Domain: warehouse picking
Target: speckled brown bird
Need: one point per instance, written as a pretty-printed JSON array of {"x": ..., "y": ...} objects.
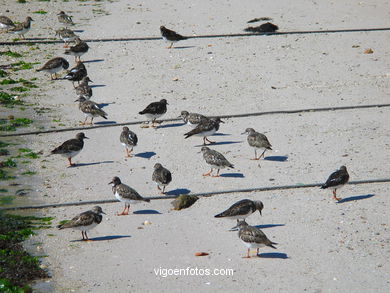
[
  {"x": 71, "y": 147},
  {"x": 161, "y": 176},
  {"x": 258, "y": 141},
  {"x": 216, "y": 160},
  {"x": 205, "y": 128},
  {"x": 54, "y": 65},
  {"x": 90, "y": 109}
]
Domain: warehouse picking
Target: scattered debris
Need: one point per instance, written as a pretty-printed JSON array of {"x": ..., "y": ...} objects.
[
  {"x": 201, "y": 254},
  {"x": 263, "y": 28},
  {"x": 184, "y": 201},
  {"x": 368, "y": 51}
]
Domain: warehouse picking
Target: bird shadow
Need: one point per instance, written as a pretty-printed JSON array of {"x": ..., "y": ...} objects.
[
  {"x": 78, "y": 31},
  {"x": 171, "y": 125},
  {"x": 221, "y": 134},
  {"x": 93, "y": 61},
  {"x": 280, "y": 255},
  {"x": 276, "y": 158},
  {"x": 104, "y": 238},
  {"x": 105, "y": 122},
  {"x": 102, "y": 105},
  {"x": 91, "y": 164},
  {"x": 145, "y": 155},
  {"x": 147, "y": 212},
  {"x": 269, "y": 226},
  {"x": 179, "y": 191},
  {"x": 233, "y": 175},
  {"x": 357, "y": 197},
  {"x": 97, "y": 85},
  {"x": 184, "y": 47}
]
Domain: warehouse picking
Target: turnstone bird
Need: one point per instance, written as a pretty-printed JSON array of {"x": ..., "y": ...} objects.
[
  {"x": 155, "y": 110},
  {"x": 253, "y": 237},
  {"x": 161, "y": 176},
  {"x": 125, "y": 194},
  {"x": 64, "y": 18},
  {"x": 263, "y": 28},
  {"x": 77, "y": 50},
  {"x": 66, "y": 35},
  {"x": 6, "y": 23},
  {"x": 84, "y": 90},
  {"x": 71, "y": 147},
  {"x": 205, "y": 128},
  {"x": 192, "y": 119},
  {"x": 22, "y": 28},
  {"x": 77, "y": 73},
  {"x": 171, "y": 36},
  {"x": 216, "y": 160},
  {"x": 129, "y": 140},
  {"x": 257, "y": 141},
  {"x": 337, "y": 180},
  {"x": 242, "y": 209},
  {"x": 85, "y": 221},
  {"x": 90, "y": 109},
  {"x": 54, "y": 65}
]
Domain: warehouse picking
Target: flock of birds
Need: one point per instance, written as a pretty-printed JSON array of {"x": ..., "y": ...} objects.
[{"x": 201, "y": 125}]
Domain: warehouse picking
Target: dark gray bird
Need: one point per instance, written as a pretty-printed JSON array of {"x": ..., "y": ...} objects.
[
  {"x": 216, "y": 160},
  {"x": 64, "y": 18},
  {"x": 258, "y": 141},
  {"x": 84, "y": 90},
  {"x": 78, "y": 50},
  {"x": 77, "y": 73},
  {"x": 71, "y": 147},
  {"x": 54, "y": 65},
  {"x": 253, "y": 237},
  {"x": 206, "y": 127},
  {"x": 263, "y": 28},
  {"x": 6, "y": 23},
  {"x": 161, "y": 176},
  {"x": 337, "y": 180},
  {"x": 171, "y": 36},
  {"x": 22, "y": 28},
  {"x": 90, "y": 109},
  {"x": 242, "y": 209},
  {"x": 129, "y": 140},
  {"x": 192, "y": 119},
  {"x": 125, "y": 194},
  {"x": 85, "y": 221},
  {"x": 155, "y": 110}
]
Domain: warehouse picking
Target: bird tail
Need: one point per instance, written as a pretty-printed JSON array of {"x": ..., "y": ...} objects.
[
  {"x": 250, "y": 29},
  {"x": 188, "y": 134},
  {"x": 67, "y": 52},
  {"x": 220, "y": 215},
  {"x": 324, "y": 186},
  {"x": 271, "y": 244},
  {"x": 147, "y": 199},
  {"x": 142, "y": 112},
  {"x": 231, "y": 166}
]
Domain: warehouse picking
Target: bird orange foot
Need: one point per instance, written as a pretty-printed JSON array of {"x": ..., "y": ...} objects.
[
  {"x": 123, "y": 213},
  {"x": 337, "y": 198}
]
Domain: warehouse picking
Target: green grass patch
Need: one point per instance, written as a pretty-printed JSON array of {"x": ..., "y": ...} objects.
[
  {"x": 29, "y": 173},
  {"x": 11, "y": 54},
  {"x": 6, "y": 199},
  {"x": 9, "y": 100},
  {"x": 19, "y": 89},
  {"x": 21, "y": 65},
  {"x": 12, "y": 125},
  {"x": 24, "y": 150},
  {"x": 40, "y": 11},
  {"x": 21, "y": 1},
  {"x": 4, "y": 175},
  {"x": 3, "y": 73},
  {"x": 4, "y": 152},
  {"x": 3, "y": 190},
  {"x": 9, "y": 163},
  {"x": 8, "y": 81}
]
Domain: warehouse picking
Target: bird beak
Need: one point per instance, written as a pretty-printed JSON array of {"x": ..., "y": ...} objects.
[
  {"x": 111, "y": 183},
  {"x": 77, "y": 100},
  {"x": 243, "y": 132},
  {"x": 103, "y": 213},
  {"x": 222, "y": 121},
  {"x": 260, "y": 213},
  {"x": 235, "y": 228},
  {"x": 86, "y": 137},
  {"x": 90, "y": 81}
]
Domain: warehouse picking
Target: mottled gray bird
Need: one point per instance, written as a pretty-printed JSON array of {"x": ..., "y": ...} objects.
[
  {"x": 242, "y": 209},
  {"x": 337, "y": 180},
  {"x": 258, "y": 141},
  {"x": 22, "y": 28},
  {"x": 216, "y": 160},
  {"x": 6, "y": 22},
  {"x": 126, "y": 194},
  {"x": 206, "y": 127},
  {"x": 84, "y": 90},
  {"x": 171, "y": 36},
  {"x": 54, "y": 65},
  {"x": 64, "y": 18},
  {"x": 78, "y": 50},
  {"x": 129, "y": 140},
  {"x": 192, "y": 119},
  {"x": 253, "y": 237},
  {"x": 71, "y": 147},
  {"x": 161, "y": 176},
  {"x": 90, "y": 109},
  {"x": 85, "y": 221}
]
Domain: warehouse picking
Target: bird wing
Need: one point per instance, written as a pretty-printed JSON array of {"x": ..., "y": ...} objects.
[
  {"x": 337, "y": 178},
  {"x": 205, "y": 125},
  {"x": 69, "y": 146},
  {"x": 242, "y": 207},
  {"x": 153, "y": 108},
  {"x": 53, "y": 63},
  {"x": 253, "y": 235},
  {"x": 83, "y": 219}
]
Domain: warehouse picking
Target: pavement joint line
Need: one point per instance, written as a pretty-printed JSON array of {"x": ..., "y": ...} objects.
[
  {"x": 201, "y": 194},
  {"x": 46, "y": 41},
  {"x": 324, "y": 109}
]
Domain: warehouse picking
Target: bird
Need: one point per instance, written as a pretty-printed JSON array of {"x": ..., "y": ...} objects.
[
  {"x": 253, "y": 237},
  {"x": 6, "y": 22},
  {"x": 90, "y": 109},
  {"x": 337, "y": 180},
  {"x": 263, "y": 28},
  {"x": 22, "y": 28},
  {"x": 192, "y": 119},
  {"x": 84, "y": 90},
  {"x": 161, "y": 176},
  {"x": 171, "y": 36},
  {"x": 77, "y": 73},
  {"x": 216, "y": 160},
  {"x": 71, "y": 147},
  {"x": 257, "y": 141},
  {"x": 125, "y": 194},
  {"x": 241, "y": 209},
  {"x": 77, "y": 50},
  {"x": 128, "y": 139},
  {"x": 64, "y": 18},
  {"x": 85, "y": 221},
  {"x": 66, "y": 35},
  {"x": 205, "y": 128},
  {"x": 54, "y": 65},
  {"x": 155, "y": 110}
]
